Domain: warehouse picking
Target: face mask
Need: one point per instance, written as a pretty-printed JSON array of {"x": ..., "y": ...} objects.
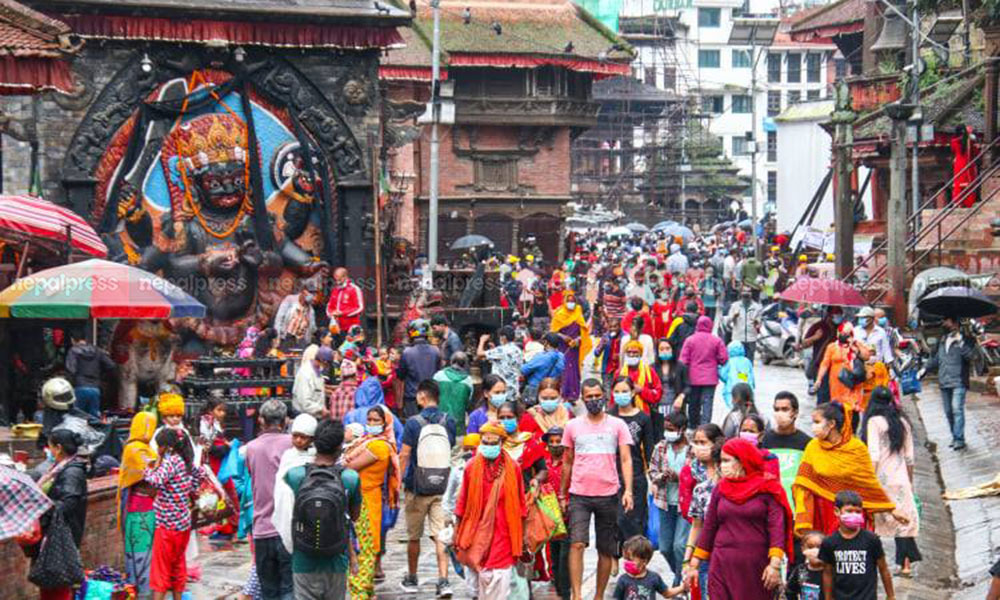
[
  {"x": 671, "y": 436},
  {"x": 374, "y": 429},
  {"x": 489, "y": 452},
  {"x": 843, "y": 338},
  {"x": 632, "y": 361},
  {"x": 498, "y": 399},
  {"x": 556, "y": 451},
  {"x": 838, "y": 319},
  {"x": 750, "y": 437},
  {"x": 852, "y": 520},
  {"x": 783, "y": 419},
  {"x": 468, "y": 454},
  {"x": 570, "y": 305},
  {"x": 863, "y": 321},
  {"x": 594, "y": 407},
  {"x": 883, "y": 321},
  {"x": 623, "y": 398},
  {"x": 811, "y": 554},
  {"x": 730, "y": 470},
  {"x": 549, "y": 406},
  {"x": 666, "y": 356},
  {"x": 48, "y": 455},
  {"x": 631, "y": 567},
  {"x": 509, "y": 425},
  {"x": 819, "y": 431}
]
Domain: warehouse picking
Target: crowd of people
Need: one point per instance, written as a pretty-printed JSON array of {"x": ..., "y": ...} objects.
[{"x": 588, "y": 420}]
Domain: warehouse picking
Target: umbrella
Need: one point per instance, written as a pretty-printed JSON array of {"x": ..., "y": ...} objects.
[
  {"x": 619, "y": 232},
  {"x": 664, "y": 225},
  {"x": 957, "y": 302},
  {"x": 721, "y": 226},
  {"x": 686, "y": 234},
  {"x": 36, "y": 219},
  {"x": 22, "y": 501},
  {"x": 97, "y": 289},
  {"x": 637, "y": 227},
  {"x": 829, "y": 292},
  {"x": 745, "y": 224},
  {"x": 471, "y": 241}
]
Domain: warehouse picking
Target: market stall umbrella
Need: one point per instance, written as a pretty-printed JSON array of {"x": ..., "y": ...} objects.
[
  {"x": 958, "y": 302},
  {"x": 664, "y": 225},
  {"x": 686, "y": 234},
  {"x": 637, "y": 227},
  {"x": 31, "y": 218},
  {"x": 21, "y": 503},
  {"x": 471, "y": 241},
  {"x": 828, "y": 292},
  {"x": 619, "y": 232},
  {"x": 96, "y": 289},
  {"x": 721, "y": 226}
]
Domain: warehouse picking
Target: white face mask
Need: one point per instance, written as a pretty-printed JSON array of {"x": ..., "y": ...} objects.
[
  {"x": 671, "y": 436},
  {"x": 571, "y": 305},
  {"x": 632, "y": 361}
]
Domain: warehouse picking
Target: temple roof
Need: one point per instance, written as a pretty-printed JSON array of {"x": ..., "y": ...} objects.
[
  {"x": 842, "y": 16},
  {"x": 284, "y": 10},
  {"x": 28, "y": 33}
]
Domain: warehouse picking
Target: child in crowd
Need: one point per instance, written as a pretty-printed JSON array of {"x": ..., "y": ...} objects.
[
  {"x": 670, "y": 455},
  {"x": 742, "y": 406},
  {"x": 212, "y": 435},
  {"x": 738, "y": 369},
  {"x": 851, "y": 555},
  {"x": 175, "y": 477},
  {"x": 809, "y": 573},
  {"x": 638, "y": 582}
]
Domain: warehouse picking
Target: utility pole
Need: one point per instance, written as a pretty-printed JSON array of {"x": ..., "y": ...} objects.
[
  {"x": 753, "y": 149},
  {"x": 432, "y": 209},
  {"x": 843, "y": 120},
  {"x": 916, "y": 69},
  {"x": 685, "y": 167},
  {"x": 896, "y": 214}
]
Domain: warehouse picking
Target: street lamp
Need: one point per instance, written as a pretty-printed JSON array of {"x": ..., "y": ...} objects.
[{"x": 754, "y": 32}]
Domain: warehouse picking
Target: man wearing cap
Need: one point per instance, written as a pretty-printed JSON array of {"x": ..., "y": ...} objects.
[
  {"x": 308, "y": 393},
  {"x": 263, "y": 456},
  {"x": 873, "y": 335},
  {"x": 346, "y": 301},
  {"x": 419, "y": 363},
  {"x": 342, "y": 396},
  {"x": 301, "y": 453}
]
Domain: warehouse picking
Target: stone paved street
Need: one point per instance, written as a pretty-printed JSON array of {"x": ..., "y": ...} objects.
[{"x": 977, "y": 521}]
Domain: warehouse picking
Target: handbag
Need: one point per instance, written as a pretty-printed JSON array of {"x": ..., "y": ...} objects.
[
  {"x": 548, "y": 502},
  {"x": 909, "y": 383},
  {"x": 57, "y": 563},
  {"x": 538, "y": 529},
  {"x": 855, "y": 375}
]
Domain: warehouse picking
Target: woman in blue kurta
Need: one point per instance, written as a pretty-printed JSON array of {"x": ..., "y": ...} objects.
[{"x": 569, "y": 324}]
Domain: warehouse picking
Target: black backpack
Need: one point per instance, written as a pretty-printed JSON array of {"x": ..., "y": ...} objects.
[{"x": 319, "y": 517}]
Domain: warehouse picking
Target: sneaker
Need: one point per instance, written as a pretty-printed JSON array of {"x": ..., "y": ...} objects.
[
  {"x": 410, "y": 584},
  {"x": 959, "y": 446},
  {"x": 443, "y": 589}
]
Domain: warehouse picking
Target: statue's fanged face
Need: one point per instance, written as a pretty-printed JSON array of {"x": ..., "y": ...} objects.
[{"x": 222, "y": 185}]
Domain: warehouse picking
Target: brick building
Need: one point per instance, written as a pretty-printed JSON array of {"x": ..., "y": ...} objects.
[{"x": 522, "y": 74}]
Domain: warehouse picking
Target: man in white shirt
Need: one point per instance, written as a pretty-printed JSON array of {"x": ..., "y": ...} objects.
[{"x": 874, "y": 336}]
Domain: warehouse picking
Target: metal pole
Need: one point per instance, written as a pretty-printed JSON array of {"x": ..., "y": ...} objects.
[
  {"x": 753, "y": 153},
  {"x": 683, "y": 173},
  {"x": 896, "y": 217},
  {"x": 915, "y": 100},
  {"x": 432, "y": 211}
]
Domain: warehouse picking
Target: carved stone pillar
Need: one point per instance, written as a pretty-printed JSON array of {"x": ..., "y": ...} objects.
[{"x": 992, "y": 43}]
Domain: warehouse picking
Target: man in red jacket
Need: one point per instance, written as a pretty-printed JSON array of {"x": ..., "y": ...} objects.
[{"x": 346, "y": 301}]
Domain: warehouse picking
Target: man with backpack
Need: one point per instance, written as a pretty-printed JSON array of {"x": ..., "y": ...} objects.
[
  {"x": 426, "y": 457},
  {"x": 327, "y": 499}
]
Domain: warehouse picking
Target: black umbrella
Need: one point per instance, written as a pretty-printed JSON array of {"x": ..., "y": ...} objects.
[
  {"x": 471, "y": 241},
  {"x": 957, "y": 302}
]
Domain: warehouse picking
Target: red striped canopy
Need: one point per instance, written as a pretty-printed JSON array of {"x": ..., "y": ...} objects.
[{"x": 34, "y": 218}]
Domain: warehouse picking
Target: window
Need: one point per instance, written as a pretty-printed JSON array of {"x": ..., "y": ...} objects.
[
  {"x": 740, "y": 147},
  {"x": 794, "y": 97},
  {"x": 495, "y": 175},
  {"x": 840, "y": 68},
  {"x": 650, "y": 76},
  {"x": 670, "y": 78},
  {"x": 708, "y": 59},
  {"x": 773, "y": 103},
  {"x": 712, "y": 104},
  {"x": 772, "y": 186},
  {"x": 794, "y": 67},
  {"x": 774, "y": 68},
  {"x": 742, "y": 104},
  {"x": 812, "y": 67},
  {"x": 709, "y": 17},
  {"x": 772, "y": 146},
  {"x": 741, "y": 59},
  {"x": 812, "y": 95}
]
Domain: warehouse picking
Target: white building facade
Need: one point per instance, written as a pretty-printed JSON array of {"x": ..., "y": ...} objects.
[{"x": 703, "y": 62}]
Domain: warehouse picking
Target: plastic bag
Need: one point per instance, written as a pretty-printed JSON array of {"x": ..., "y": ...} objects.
[
  {"x": 230, "y": 464},
  {"x": 99, "y": 590},
  {"x": 653, "y": 522},
  {"x": 209, "y": 504},
  {"x": 548, "y": 502}
]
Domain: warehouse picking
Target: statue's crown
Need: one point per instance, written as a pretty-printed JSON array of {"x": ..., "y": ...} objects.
[{"x": 223, "y": 140}]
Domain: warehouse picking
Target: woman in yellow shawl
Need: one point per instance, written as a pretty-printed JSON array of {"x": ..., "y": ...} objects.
[
  {"x": 136, "y": 518},
  {"x": 376, "y": 460},
  {"x": 568, "y": 323},
  {"x": 833, "y": 461}
]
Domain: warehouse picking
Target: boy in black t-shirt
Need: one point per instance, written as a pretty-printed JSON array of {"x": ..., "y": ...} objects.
[
  {"x": 852, "y": 554},
  {"x": 808, "y": 574},
  {"x": 637, "y": 582}
]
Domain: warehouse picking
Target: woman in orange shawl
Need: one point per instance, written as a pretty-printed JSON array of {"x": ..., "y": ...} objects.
[
  {"x": 376, "y": 460},
  {"x": 748, "y": 528},
  {"x": 569, "y": 324},
  {"x": 835, "y": 460},
  {"x": 490, "y": 511},
  {"x": 136, "y": 519},
  {"x": 839, "y": 355}
]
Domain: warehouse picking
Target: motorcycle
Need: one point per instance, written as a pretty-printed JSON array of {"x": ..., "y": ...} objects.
[
  {"x": 987, "y": 351},
  {"x": 777, "y": 334}
]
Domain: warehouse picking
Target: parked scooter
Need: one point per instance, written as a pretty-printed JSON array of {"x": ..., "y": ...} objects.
[{"x": 777, "y": 334}]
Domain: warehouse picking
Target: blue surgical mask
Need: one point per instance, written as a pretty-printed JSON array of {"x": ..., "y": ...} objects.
[
  {"x": 374, "y": 429},
  {"x": 497, "y": 400},
  {"x": 509, "y": 424},
  {"x": 838, "y": 319},
  {"x": 623, "y": 398},
  {"x": 863, "y": 322},
  {"x": 666, "y": 356},
  {"x": 549, "y": 406},
  {"x": 883, "y": 321},
  {"x": 489, "y": 452}
]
